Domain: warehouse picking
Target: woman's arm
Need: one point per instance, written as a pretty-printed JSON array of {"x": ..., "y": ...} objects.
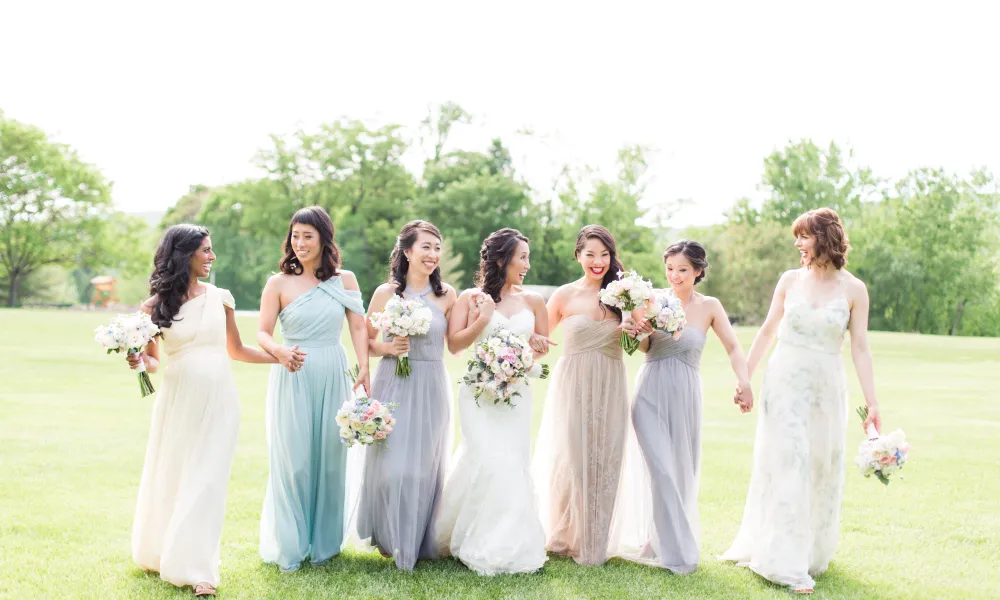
[
  {"x": 237, "y": 349},
  {"x": 270, "y": 306},
  {"x": 861, "y": 352},
  {"x": 554, "y": 307},
  {"x": 398, "y": 345},
  {"x": 359, "y": 335},
  {"x": 539, "y": 340},
  {"x": 765, "y": 336},
  {"x": 727, "y": 335},
  {"x": 468, "y": 321}
]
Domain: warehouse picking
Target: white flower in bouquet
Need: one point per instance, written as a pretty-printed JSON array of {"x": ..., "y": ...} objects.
[
  {"x": 631, "y": 294},
  {"x": 130, "y": 333},
  {"x": 403, "y": 317}
]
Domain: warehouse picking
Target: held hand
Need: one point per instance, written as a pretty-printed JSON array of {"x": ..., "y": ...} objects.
[
  {"x": 364, "y": 380},
  {"x": 291, "y": 358},
  {"x": 643, "y": 327},
  {"x": 133, "y": 360},
  {"x": 873, "y": 418},
  {"x": 400, "y": 346},
  {"x": 744, "y": 397},
  {"x": 486, "y": 305},
  {"x": 540, "y": 344}
]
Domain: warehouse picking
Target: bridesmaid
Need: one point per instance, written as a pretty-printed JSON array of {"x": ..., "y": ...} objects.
[
  {"x": 792, "y": 516},
  {"x": 403, "y": 478},
  {"x": 196, "y": 415},
  {"x": 656, "y": 521},
  {"x": 304, "y": 506},
  {"x": 582, "y": 437}
]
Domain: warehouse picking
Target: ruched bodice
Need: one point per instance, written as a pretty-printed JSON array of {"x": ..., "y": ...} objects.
[
  {"x": 687, "y": 348},
  {"x": 584, "y": 334}
]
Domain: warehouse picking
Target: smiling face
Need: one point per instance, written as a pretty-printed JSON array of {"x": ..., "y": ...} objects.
[
  {"x": 520, "y": 264},
  {"x": 425, "y": 254},
  {"x": 202, "y": 259},
  {"x": 805, "y": 243},
  {"x": 681, "y": 274},
  {"x": 595, "y": 258},
  {"x": 306, "y": 243}
]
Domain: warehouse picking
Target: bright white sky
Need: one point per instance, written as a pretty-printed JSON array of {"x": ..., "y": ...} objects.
[{"x": 164, "y": 95}]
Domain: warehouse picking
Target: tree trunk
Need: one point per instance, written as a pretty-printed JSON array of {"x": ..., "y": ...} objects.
[
  {"x": 959, "y": 309},
  {"x": 12, "y": 297}
]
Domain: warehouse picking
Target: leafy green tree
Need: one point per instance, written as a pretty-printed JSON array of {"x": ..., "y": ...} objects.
[{"x": 55, "y": 209}]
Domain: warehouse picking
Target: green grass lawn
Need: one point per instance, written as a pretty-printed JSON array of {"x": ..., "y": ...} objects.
[{"x": 73, "y": 431}]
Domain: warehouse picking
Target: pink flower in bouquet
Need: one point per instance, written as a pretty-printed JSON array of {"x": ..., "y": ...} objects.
[{"x": 380, "y": 435}]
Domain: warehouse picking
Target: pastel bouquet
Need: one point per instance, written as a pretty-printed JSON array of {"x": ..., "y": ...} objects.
[
  {"x": 499, "y": 363},
  {"x": 130, "y": 333},
  {"x": 881, "y": 455},
  {"x": 630, "y": 293},
  {"x": 403, "y": 317},
  {"x": 667, "y": 314},
  {"x": 364, "y": 420}
]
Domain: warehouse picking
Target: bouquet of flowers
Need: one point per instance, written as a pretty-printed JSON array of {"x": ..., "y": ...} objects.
[
  {"x": 499, "y": 362},
  {"x": 130, "y": 333},
  {"x": 403, "y": 317},
  {"x": 364, "y": 420},
  {"x": 881, "y": 455},
  {"x": 630, "y": 293},
  {"x": 667, "y": 314}
]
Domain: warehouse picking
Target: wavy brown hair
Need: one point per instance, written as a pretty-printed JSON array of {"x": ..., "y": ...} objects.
[
  {"x": 318, "y": 218},
  {"x": 494, "y": 257},
  {"x": 399, "y": 265},
  {"x": 168, "y": 283},
  {"x": 832, "y": 244},
  {"x": 694, "y": 252},
  {"x": 601, "y": 234}
]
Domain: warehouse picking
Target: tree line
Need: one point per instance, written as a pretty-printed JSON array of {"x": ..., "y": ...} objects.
[{"x": 927, "y": 245}]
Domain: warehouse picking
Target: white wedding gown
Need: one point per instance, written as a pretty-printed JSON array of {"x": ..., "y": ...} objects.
[{"x": 488, "y": 517}]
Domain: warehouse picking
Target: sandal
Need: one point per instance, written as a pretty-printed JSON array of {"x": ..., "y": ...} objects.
[
  {"x": 203, "y": 589},
  {"x": 806, "y": 591}
]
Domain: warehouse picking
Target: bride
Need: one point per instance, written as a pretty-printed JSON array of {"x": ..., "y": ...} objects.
[{"x": 488, "y": 517}]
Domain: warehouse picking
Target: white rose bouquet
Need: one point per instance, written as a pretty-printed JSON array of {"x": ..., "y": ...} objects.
[
  {"x": 130, "y": 333},
  {"x": 403, "y": 317}
]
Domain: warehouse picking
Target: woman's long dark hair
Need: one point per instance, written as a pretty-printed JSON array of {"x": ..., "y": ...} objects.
[
  {"x": 494, "y": 257},
  {"x": 601, "y": 234},
  {"x": 318, "y": 218},
  {"x": 399, "y": 265},
  {"x": 168, "y": 283}
]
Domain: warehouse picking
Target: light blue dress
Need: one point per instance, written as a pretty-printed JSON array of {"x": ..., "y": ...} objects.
[{"x": 304, "y": 507}]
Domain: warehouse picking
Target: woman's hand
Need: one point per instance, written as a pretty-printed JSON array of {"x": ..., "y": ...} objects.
[
  {"x": 744, "y": 397},
  {"x": 399, "y": 346},
  {"x": 540, "y": 344},
  {"x": 364, "y": 380},
  {"x": 482, "y": 306},
  {"x": 291, "y": 358},
  {"x": 135, "y": 359},
  {"x": 873, "y": 418}
]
